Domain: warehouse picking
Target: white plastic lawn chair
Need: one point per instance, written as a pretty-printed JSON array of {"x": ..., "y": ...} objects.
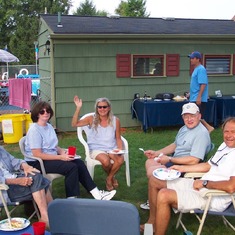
[{"x": 91, "y": 163}]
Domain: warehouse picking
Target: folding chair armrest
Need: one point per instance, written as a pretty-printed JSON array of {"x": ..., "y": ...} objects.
[
  {"x": 214, "y": 192},
  {"x": 3, "y": 187},
  {"x": 193, "y": 174},
  {"x": 40, "y": 162}
]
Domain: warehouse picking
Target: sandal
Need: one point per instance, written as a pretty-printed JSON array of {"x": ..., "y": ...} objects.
[
  {"x": 115, "y": 182},
  {"x": 109, "y": 186}
]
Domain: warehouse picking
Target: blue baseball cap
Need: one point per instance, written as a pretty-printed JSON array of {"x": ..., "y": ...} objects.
[{"x": 195, "y": 54}]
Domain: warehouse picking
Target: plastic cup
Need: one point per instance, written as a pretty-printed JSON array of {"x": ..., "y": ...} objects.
[
  {"x": 72, "y": 150},
  {"x": 39, "y": 228}
]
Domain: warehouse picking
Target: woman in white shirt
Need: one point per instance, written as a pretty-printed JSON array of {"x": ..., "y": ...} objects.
[{"x": 103, "y": 136}]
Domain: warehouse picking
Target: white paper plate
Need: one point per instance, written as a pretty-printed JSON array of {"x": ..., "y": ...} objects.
[
  {"x": 4, "y": 224},
  {"x": 119, "y": 152},
  {"x": 158, "y": 100},
  {"x": 167, "y": 99},
  {"x": 166, "y": 174}
]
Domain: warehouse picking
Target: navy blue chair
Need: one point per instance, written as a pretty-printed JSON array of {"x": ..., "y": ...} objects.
[{"x": 94, "y": 217}]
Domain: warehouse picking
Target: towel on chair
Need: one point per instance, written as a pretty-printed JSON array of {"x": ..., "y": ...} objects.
[{"x": 20, "y": 92}]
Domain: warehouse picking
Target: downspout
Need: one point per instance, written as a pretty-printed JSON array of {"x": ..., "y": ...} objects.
[{"x": 52, "y": 63}]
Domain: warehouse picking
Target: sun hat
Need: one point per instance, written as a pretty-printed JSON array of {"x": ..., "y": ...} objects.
[{"x": 190, "y": 108}]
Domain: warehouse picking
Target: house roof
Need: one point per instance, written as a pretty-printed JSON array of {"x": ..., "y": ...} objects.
[{"x": 73, "y": 24}]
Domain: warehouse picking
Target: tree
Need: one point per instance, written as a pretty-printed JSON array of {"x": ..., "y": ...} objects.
[
  {"x": 19, "y": 24},
  {"x": 132, "y": 8},
  {"x": 87, "y": 8}
]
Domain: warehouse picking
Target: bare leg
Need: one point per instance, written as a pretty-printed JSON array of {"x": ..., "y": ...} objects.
[
  {"x": 166, "y": 199},
  {"x": 153, "y": 188},
  {"x": 105, "y": 161},
  {"x": 41, "y": 200},
  {"x": 117, "y": 163},
  {"x": 207, "y": 125},
  {"x": 48, "y": 197},
  {"x": 110, "y": 168},
  {"x": 151, "y": 165}
]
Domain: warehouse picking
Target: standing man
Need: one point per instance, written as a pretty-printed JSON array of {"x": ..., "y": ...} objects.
[{"x": 199, "y": 86}]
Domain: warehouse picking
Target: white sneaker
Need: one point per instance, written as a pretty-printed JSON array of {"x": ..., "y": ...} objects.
[
  {"x": 145, "y": 205},
  {"x": 107, "y": 195}
]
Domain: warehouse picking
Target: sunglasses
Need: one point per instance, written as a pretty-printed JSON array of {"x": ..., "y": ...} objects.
[
  {"x": 44, "y": 110},
  {"x": 102, "y": 107},
  {"x": 217, "y": 162}
]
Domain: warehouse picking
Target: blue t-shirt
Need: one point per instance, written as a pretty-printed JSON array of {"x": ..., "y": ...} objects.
[
  {"x": 199, "y": 76},
  {"x": 41, "y": 137},
  {"x": 192, "y": 142}
]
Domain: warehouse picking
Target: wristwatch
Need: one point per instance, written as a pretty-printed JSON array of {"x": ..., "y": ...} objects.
[{"x": 204, "y": 183}]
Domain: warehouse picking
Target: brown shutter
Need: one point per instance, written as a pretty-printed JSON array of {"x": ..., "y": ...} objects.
[
  {"x": 172, "y": 64},
  {"x": 123, "y": 65},
  {"x": 233, "y": 70}
]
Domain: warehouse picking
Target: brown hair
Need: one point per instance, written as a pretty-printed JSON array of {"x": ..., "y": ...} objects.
[
  {"x": 229, "y": 119},
  {"x": 38, "y": 107}
]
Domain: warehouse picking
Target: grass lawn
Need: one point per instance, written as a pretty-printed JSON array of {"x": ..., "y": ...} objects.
[{"x": 137, "y": 193}]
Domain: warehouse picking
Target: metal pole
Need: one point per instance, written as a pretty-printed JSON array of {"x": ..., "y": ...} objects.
[{"x": 36, "y": 55}]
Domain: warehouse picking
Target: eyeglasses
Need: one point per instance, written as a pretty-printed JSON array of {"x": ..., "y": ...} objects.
[
  {"x": 102, "y": 107},
  {"x": 44, "y": 110},
  {"x": 190, "y": 116}
]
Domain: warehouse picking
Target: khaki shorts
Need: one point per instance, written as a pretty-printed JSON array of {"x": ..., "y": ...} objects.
[
  {"x": 189, "y": 199},
  {"x": 95, "y": 153}
]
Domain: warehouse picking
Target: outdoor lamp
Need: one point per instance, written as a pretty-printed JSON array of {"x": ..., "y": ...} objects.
[{"x": 47, "y": 47}]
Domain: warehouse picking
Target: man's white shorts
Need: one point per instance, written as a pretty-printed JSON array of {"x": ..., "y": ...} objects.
[{"x": 189, "y": 199}]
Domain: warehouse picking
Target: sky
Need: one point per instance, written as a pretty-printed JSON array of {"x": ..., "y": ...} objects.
[{"x": 197, "y": 9}]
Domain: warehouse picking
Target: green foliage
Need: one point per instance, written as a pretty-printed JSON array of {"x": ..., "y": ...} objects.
[
  {"x": 87, "y": 8},
  {"x": 132, "y": 8},
  {"x": 137, "y": 193},
  {"x": 19, "y": 24}
]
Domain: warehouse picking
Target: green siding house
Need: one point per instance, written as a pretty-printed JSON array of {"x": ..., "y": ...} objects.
[{"x": 116, "y": 57}]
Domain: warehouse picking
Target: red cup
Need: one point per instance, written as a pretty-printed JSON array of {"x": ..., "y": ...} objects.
[
  {"x": 72, "y": 150},
  {"x": 39, "y": 228}
]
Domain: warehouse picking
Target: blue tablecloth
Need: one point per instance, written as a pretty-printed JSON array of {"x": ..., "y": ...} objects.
[
  {"x": 225, "y": 107},
  {"x": 166, "y": 113},
  {"x": 29, "y": 229}
]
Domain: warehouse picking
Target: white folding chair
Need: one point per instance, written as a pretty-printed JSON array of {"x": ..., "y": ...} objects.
[
  {"x": 49, "y": 176},
  {"x": 13, "y": 205},
  {"x": 91, "y": 163},
  {"x": 209, "y": 194}
]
